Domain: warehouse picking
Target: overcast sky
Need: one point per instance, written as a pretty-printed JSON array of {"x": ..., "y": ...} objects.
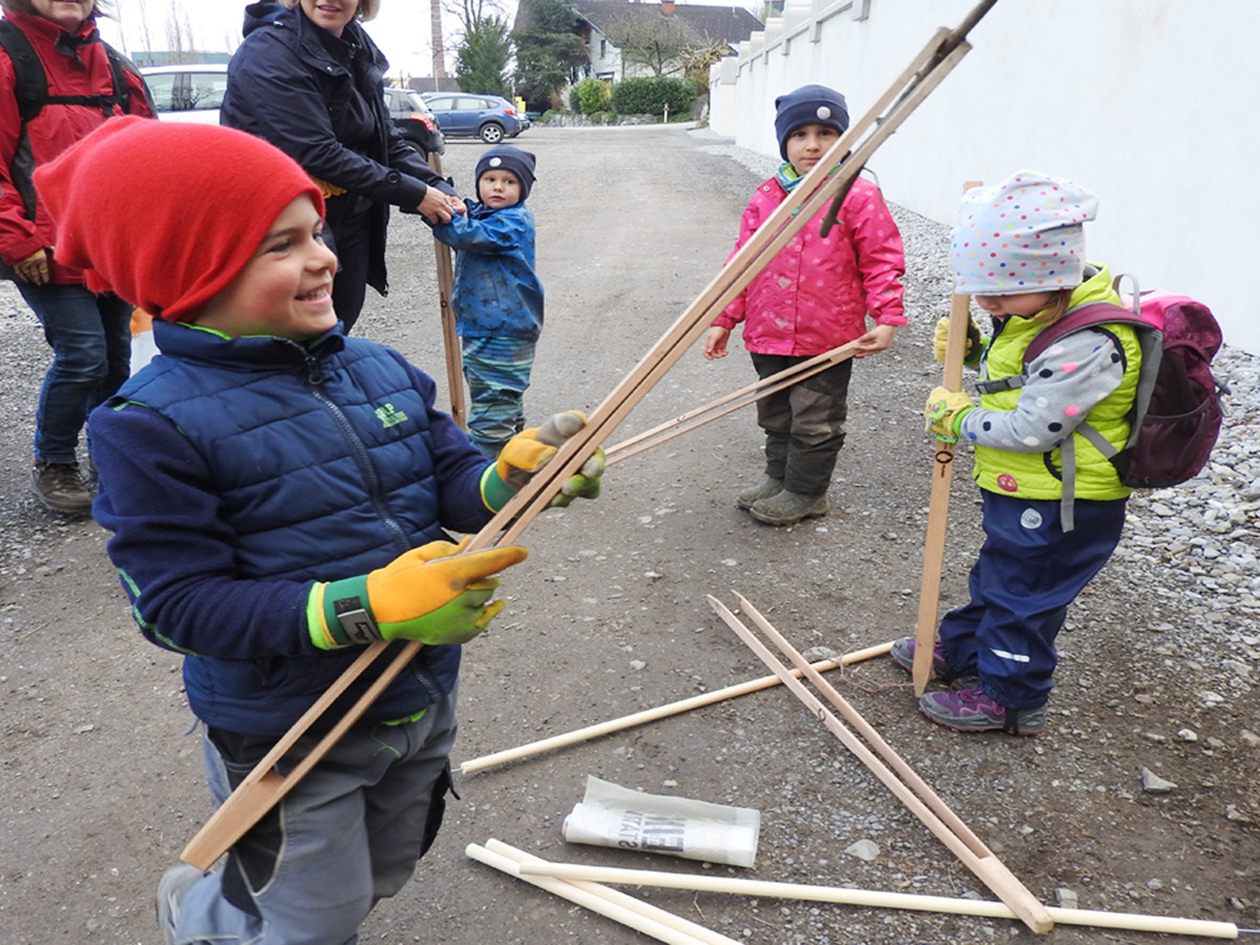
[{"x": 401, "y": 29}]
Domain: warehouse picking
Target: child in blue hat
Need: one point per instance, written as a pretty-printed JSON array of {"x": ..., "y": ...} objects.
[{"x": 497, "y": 298}]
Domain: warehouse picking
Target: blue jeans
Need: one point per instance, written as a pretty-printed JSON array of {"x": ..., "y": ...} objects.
[
  {"x": 91, "y": 340},
  {"x": 1028, "y": 572}
]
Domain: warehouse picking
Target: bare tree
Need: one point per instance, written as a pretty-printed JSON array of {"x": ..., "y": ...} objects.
[{"x": 179, "y": 34}]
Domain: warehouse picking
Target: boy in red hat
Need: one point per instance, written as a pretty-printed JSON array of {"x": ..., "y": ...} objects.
[{"x": 279, "y": 496}]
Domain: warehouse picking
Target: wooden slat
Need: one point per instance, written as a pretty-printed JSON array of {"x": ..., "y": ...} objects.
[
  {"x": 982, "y": 863},
  {"x": 450, "y": 338},
  {"x": 938, "y": 506}
]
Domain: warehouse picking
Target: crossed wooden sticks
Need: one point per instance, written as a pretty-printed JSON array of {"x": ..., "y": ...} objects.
[
  {"x": 888, "y": 766},
  {"x": 830, "y": 178}
]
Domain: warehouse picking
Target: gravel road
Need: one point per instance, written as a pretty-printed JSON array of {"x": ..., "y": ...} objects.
[{"x": 99, "y": 774}]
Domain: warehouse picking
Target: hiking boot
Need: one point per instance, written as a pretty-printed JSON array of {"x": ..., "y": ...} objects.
[
  {"x": 763, "y": 490},
  {"x": 974, "y": 710},
  {"x": 902, "y": 654},
  {"x": 175, "y": 882},
  {"x": 60, "y": 488},
  {"x": 788, "y": 508}
]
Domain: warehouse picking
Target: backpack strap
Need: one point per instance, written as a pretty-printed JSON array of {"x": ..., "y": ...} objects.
[{"x": 31, "y": 81}]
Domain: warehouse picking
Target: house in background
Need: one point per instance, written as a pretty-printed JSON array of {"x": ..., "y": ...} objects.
[{"x": 603, "y": 24}]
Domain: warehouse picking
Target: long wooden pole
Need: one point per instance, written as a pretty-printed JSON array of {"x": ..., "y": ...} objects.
[
  {"x": 264, "y": 787},
  {"x": 509, "y": 755},
  {"x": 617, "y": 897},
  {"x": 587, "y": 900},
  {"x": 848, "y": 896},
  {"x": 450, "y": 338},
  {"x": 938, "y": 508},
  {"x": 987, "y": 867},
  {"x": 728, "y": 403}
]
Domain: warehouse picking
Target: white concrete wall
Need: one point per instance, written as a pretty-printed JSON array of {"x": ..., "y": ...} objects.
[{"x": 1153, "y": 104}]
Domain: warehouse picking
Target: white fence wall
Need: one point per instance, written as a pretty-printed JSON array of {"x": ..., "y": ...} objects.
[{"x": 1153, "y": 104}]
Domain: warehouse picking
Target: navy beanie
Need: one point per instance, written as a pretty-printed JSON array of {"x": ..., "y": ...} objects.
[
  {"x": 809, "y": 105},
  {"x": 508, "y": 158}
]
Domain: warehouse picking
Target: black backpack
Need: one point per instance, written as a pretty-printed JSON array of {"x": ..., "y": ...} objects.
[{"x": 31, "y": 91}]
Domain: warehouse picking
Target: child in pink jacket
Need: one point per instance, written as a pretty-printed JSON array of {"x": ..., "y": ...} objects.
[{"x": 815, "y": 295}]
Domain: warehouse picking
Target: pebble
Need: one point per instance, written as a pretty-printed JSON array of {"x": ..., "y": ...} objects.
[
  {"x": 866, "y": 850},
  {"x": 1154, "y": 784},
  {"x": 1067, "y": 898}
]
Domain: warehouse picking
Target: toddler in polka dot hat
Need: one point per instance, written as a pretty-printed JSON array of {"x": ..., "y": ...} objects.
[
  {"x": 1042, "y": 433},
  {"x": 1023, "y": 235}
]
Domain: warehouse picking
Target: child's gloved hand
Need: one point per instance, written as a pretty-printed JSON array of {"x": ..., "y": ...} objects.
[
  {"x": 972, "y": 349},
  {"x": 944, "y": 412},
  {"x": 425, "y": 594},
  {"x": 529, "y": 451}
]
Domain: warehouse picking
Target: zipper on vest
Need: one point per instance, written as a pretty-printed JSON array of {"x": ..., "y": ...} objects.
[{"x": 314, "y": 376}]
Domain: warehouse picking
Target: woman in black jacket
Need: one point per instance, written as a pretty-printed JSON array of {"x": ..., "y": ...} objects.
[{"x": 309, "y": 80}]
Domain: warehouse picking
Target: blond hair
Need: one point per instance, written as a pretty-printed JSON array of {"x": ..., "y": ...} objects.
[{"x": 1058, "y": 307}]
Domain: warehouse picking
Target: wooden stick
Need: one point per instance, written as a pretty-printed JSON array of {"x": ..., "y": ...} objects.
[
  {"x": 938, "y": 509},
  {"x": 866, "y": 730},
  {"x": 875, "y": 899},
  {"x": 618, "y": 913},
  {"x": 728, "y": 403},
  {"x": 686, "y": 926},
  {"x": 660, "y": 712},
  {"x": 985, "y": 865},
  {"x": 247, "y": 805},
  {"x": 450, "y": 339}
]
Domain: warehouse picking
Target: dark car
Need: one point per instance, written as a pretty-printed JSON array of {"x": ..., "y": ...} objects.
[
  {"x": 415, "y": 121},
  {"x": 468, "y": 115}
]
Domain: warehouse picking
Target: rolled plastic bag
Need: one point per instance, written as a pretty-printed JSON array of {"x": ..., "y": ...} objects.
[{"x": 613, "y": 816}]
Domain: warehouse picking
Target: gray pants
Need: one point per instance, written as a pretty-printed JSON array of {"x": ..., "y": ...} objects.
[
  {"x": 346, "y": 836},
  {"x": 804, "y": 424}
]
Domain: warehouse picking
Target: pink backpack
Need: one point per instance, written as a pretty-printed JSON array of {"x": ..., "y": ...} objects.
[{"x": 1176, "y": 415}]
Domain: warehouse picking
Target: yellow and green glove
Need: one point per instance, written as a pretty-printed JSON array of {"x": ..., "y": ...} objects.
[
  {"x": 529, "y": 451},
  {"x": 431, "y": 594},
  {"x": 944, "y": 412},
  {"x": 971, "y": 351}
]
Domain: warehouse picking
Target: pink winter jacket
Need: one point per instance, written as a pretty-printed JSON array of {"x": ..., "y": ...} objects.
[{"x": 815, "y": 294}]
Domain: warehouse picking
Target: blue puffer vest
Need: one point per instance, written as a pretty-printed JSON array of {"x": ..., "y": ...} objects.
[{"x": 324, "y": 462}]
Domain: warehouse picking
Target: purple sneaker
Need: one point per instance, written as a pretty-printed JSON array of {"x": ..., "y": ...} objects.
[
  {"x": 902, "y": 654},
  {"x": 974, "y": 710}
]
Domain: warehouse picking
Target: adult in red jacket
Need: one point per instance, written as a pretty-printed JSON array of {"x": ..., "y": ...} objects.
[{"x": 90, "y": 334}]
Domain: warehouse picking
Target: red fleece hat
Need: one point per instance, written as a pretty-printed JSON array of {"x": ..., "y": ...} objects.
[{"x": 166, "y": 215}]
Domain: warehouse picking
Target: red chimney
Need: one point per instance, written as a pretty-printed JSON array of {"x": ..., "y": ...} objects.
[{"x": 668, "y": 7}]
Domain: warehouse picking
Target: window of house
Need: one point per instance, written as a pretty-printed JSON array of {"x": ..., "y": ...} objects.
[{"x": 603, "y": 49}]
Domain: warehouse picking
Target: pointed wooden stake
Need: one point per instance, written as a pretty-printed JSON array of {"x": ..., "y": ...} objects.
[
  {"x": 450, "y": 339},
  {"x": 938, "y": 509}
]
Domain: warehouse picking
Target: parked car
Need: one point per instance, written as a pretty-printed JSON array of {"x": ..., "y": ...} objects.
[
  {"x": 189, "y": 91},
  {"x": 488, "y": 117},
  {"x": 415, "y": 121}
]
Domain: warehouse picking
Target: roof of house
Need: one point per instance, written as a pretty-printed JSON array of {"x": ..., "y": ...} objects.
[{"x": 731, "y": 25}]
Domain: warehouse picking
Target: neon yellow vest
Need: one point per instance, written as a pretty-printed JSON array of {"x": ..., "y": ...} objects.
[{"x": 1039, "y": 475}]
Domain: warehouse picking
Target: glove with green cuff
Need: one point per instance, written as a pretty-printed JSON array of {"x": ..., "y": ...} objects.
[
  {"x": 529, "y": 451},
  {"x": 944, "y": 412},
  {"x": 431, "y": 594},
  {"x": 971, "y": 351}
]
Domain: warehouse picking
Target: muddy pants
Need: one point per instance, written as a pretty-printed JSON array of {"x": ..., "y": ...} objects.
[
  {"x": 347, "y": 835},
  {"x": 804, "y": 424}
]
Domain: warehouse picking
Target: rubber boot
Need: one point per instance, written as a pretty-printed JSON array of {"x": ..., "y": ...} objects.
[
  {"x": 788, "y": 508},
  {"x": 763, "y": 490}
]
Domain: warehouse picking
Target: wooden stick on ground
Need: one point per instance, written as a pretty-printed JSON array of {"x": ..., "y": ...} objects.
[
  {"x": 974, "y": 855},
  {"x": 583, "y": 897},
  {"x": 659, "y": 712},
  {"x": 938, "y": 509},
  {"x": 264, "y": 787},
  {"x": 615, "y": 896},
  {"x": 728, "y": 403},
  {"x": 450, "y": 338},
  {"x": 844, "y": 895}
]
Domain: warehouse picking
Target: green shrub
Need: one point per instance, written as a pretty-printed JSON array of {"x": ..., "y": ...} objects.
[
  {"x": 591, "y": 96},
  {"x": 650, "y": 95}
]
